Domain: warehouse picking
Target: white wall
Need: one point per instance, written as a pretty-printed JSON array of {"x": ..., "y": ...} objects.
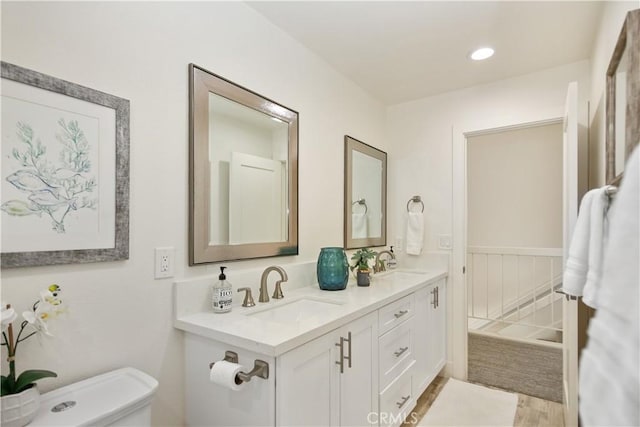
[
  {"x": 613, "y": 15},
  {"x": 421, "y": 161},
  {"x": 422, "y": 131},
  {"x": 514, "y": 188},
  {"x": 140, "y": 51}
]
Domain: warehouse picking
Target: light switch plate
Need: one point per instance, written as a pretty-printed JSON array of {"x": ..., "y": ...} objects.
[{"x": 444, "y": 241}]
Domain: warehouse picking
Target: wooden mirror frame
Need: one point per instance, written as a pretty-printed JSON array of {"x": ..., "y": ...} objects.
[
  {"x": 351, "y": 145},
  {"x": 201, "y": 251},
  {"x": 627, "y": 41}
]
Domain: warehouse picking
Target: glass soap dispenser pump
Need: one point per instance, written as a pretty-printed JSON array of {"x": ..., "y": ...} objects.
[{"x": 221, "y": 294}]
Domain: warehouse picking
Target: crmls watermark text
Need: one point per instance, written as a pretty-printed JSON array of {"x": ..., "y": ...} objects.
[{"x": 387, "y": 418}]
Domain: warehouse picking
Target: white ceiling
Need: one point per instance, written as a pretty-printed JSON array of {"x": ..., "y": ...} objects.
[{"x": 399, "y": 51}]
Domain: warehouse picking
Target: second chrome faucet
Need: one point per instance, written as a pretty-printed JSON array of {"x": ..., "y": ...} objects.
[{"x": 277, "y": 293}]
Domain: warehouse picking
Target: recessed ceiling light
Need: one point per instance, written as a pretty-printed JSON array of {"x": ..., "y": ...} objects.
[{"x": 482, "y": 53}]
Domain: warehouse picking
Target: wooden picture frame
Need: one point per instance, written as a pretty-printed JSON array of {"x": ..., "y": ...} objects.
[
  {"x": 623, "y": 98},
  {"x": 65, "y": 172}
]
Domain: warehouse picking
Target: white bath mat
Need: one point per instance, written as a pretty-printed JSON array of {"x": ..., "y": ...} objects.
[{"x": 465, "y": 404}]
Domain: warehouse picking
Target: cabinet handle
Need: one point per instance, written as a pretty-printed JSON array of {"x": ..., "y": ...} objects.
[
  {"x": 400, "y": 351},
  {"x": 437, "y": 296},
  {"x": 341, "y": 361},
  {"x": 405, "y": 399},
  {"x": 433, "y": 300},
  {"x": 349, "y": 341},
  {"x": 401, "y": 313},
  {"x": 342, "y": 356}
]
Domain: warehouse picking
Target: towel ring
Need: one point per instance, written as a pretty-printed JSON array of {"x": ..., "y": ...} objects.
[
  {"x": 361, "y": 202},
  {"x": 415, "y": 199}
]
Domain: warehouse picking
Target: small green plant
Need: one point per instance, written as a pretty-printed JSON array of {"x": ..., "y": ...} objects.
[{"x": 361, "y": 259}]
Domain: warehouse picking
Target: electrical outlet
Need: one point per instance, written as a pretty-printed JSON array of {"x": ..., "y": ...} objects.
[
  {"x": 399, "y": 246},
  {"x": 165, "y": 258}
]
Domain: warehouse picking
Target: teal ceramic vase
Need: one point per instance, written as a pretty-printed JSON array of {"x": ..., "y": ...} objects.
[{"x": 332, "y": 269}]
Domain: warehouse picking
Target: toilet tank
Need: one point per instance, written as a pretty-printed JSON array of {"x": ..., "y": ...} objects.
[{"x": 118, "y": 398}]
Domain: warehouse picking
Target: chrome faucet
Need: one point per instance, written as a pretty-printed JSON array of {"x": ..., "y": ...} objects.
[
  {"x": 378, "y": 266},
  {"x": 277, "y": 293}
]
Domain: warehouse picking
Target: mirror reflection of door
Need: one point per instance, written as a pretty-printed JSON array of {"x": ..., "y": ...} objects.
[
  {"x": 256, "y": 200},
  {"x": 248, "y": 165}
]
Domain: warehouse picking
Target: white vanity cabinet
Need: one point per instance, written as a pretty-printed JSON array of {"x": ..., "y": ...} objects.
[
  {"x": 429, "y": 334},
  {"x": 396, "y": 361},
  {"x": 363, "y": 362},
  {"x": 332, "y": 380}
]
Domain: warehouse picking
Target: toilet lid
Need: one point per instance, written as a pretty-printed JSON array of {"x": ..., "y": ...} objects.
[{"x": 99, "y": 400}]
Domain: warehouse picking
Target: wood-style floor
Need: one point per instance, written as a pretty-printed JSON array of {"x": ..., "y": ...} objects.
[{"x": 531, "y": 411}]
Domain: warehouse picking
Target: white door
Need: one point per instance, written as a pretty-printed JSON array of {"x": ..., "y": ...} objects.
[
  {"x": 256, "y": 200},
  {"x": 570, "y": 213}
]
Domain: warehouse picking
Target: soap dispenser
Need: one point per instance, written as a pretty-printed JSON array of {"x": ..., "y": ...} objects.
[
  {"x": 221, "y": 294},
  {"x": 392, "y": 263}
]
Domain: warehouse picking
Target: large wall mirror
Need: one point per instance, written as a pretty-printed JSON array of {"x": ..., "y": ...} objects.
[
  {"x": 243, "y": 171},
  {"x": 623, "y": 98},
  {"x": 365, "y": 195}
]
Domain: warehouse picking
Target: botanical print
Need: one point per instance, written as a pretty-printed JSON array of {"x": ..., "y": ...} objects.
[
  {"x": 52, "y": 189},
  {"x": 58, "y": 171}
]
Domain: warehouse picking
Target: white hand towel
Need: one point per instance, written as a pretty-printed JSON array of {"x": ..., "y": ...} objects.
[
  {"x": 575, "y": 272},
  {"x": 359, "y": 226},
  {"x": 599, "y": 206},
  {"x": 609, "y": 370},
  {"x": 415, "y": 233}
]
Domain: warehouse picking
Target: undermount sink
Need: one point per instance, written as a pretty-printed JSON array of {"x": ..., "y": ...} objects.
[{"x": 296, "y": 311}]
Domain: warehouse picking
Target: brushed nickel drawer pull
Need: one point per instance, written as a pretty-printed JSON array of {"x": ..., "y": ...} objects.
[
  {"x": 349, "y": 341},
  {"x": 401, "y": 313},
  {"x": 405, "y": 399},
  {"x": 400, "y": 351},
  {"x": 341, "y": 361}
]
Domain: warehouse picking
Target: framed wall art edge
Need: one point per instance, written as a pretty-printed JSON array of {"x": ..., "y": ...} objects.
[{"x": 40, "y": 203}]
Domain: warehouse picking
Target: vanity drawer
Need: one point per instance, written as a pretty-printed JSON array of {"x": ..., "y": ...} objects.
[
  {"x": 397, "y": 401},
  {"x": 395, "y": 313},
  {"x": 395, "y": 351}
]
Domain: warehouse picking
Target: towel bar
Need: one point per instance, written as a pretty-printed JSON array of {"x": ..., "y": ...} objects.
[
  {"x": 361, "y": 202},
  {"x": 415, "y": 199}
]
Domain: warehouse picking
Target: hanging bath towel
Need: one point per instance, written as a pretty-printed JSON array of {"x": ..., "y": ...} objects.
[
  {"x": 359, "y": 226},
  {"x": 415, "y": 232}
]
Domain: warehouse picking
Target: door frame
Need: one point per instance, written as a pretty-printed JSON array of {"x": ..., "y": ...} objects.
[{"x": 459, "y": 234}]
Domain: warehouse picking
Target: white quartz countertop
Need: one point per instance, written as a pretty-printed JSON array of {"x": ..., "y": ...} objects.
[{"x": 241, "y": 329}]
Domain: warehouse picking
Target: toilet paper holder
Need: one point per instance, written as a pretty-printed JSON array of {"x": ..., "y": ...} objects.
[{"x": 260, "y": 367}]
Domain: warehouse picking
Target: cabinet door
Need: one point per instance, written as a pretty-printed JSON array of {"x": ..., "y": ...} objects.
[
  {"x": 439, "y": 328},
  {"x": 307, "y": 386},
  {"x": 359, "y": 382},
  {"x": 422, "y": 329}
]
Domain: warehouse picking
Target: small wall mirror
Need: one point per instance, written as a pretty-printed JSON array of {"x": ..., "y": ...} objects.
[
  {"x": 365, "y": 195},
  {"x": 243, "y": 172},
  {"x": 622, "y": 104}
]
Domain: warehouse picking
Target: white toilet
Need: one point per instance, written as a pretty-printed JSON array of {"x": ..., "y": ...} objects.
[{"x": 118, "y": 398}]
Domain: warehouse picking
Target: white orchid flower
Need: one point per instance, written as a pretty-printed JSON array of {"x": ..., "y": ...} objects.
[
  {"x": 38, "y": 318},
  {"x": 49, "y": 297},
  {"x": 8, "y": 316}
]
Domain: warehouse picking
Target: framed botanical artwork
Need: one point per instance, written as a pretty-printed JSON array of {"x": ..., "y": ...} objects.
[{"x": 65, "y": 172}]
